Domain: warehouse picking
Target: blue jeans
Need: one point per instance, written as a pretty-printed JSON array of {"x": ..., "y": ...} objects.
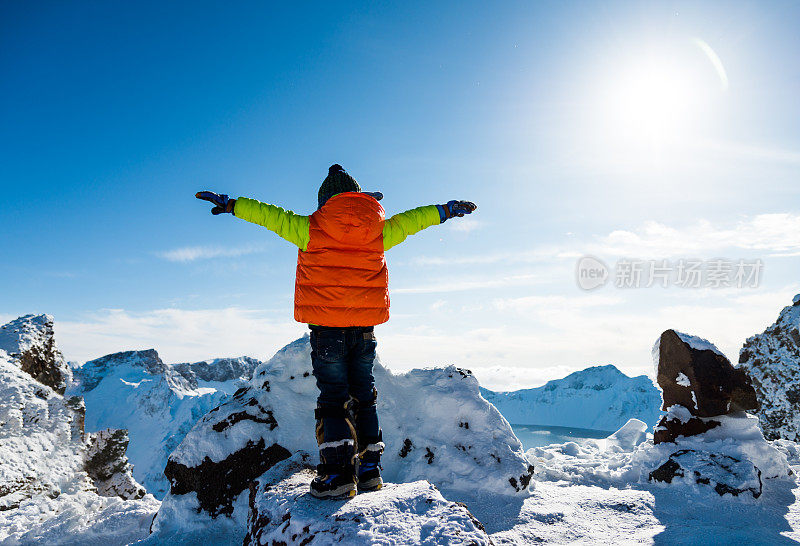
[{"x": 342, "y": 361}]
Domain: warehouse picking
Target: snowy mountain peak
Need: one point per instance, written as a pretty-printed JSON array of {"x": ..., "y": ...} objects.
[
  {"x": 600, "y": 397},
  {"x": 156, "y": 402},
  {"x": 594, "y": 377},
  {"x": 90, "y": 374}
]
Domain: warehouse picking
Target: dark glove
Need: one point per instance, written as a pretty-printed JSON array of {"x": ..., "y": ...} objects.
[
  {"x": 221, "y": 202},
  {"x": 455, "y": 208}
]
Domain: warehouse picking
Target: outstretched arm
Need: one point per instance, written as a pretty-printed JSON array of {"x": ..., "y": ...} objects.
[
  {"x": 400, "y": 226},
  {"x": 288, "y": 225},
  {"x": 292, "y": 227}
]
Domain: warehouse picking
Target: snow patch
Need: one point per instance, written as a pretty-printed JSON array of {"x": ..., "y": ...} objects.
[{"x": 698, "y": 343}]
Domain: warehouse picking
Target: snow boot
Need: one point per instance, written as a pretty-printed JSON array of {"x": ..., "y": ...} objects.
[
  {"x": 369, "y": 467},
  {"x": 336, "y": 475}
]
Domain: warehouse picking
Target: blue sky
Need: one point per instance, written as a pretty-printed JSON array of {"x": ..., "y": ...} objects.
[{"x": 618, "y": 129}]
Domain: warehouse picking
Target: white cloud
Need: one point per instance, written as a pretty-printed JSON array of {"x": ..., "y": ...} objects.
[
  {"x": 464, "y": 225},
  {"x": 178, "y": 335},
  {"x": 757, "y": 152},
  {"x": 777, "y": 234},
  {"x": 192, "y": 253},
  {"x": 539, "y": 254},
  {"x": 542, "y": 338},
  {"x": 526, "y": 303},
  {"x": 458, "y": 285}
]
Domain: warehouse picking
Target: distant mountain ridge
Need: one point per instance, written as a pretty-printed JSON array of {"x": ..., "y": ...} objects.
[
  {"x": 599, "y": 397},
  {"x": 157, "y": 402}
]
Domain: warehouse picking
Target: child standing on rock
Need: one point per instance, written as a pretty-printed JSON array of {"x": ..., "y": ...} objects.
[{"x": 342, "y": 292}]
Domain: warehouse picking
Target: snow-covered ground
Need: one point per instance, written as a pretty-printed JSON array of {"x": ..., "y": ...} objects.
[{"x": 596, "y": 492}]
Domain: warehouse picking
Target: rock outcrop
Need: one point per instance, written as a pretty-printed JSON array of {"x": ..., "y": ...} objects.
[
  {"x": 693, "y": 374},
  {"x": 772, "y": 360},
  {"x": 436, "y": 427},
  {"x": 44, "y": 450},
  {"x": 723, "y": 473},
  {"x": 716, "y": 444},
  {"x": 107, "y": 465},
  {"x": 30, "y": 343},
  {"x": 282, "y": 512}
]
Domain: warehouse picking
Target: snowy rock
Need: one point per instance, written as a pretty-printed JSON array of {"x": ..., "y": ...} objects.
[
  {"x": 695, "y": 375},
  {"x": 157, "y": 403},
  {"x": 217, "y": 370},
  {"x": 282, "y": 512},
  {"x": 30, "y": 342},
  {"x": 436, "y": 427},
  {"x": 46, "y": 494},
  {"x": 725, "y": 474},
  {"x": 107, "y": 465},
  {"x": 772, "y": 360},
  {"x": 737, "y": 439},
  {"x": 600, "y": 398}
]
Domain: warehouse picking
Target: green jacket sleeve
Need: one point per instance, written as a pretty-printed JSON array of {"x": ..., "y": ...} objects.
[
  {"x": 400, "y": 226},
  {"x": 292, "y": 227}
]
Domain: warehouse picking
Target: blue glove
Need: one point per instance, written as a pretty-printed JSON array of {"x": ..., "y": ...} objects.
[
  {"x": 223, "y": 204},
  {"x": 455, "y": 208}
]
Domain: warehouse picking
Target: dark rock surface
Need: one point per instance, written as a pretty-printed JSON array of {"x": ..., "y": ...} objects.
[
  {"x": 717, "y": 386},
  {"x": 669, "y": 430},
  {"x": 694, "y": 375},
  {"x": 217, "y": 484},
  {"x": 722, "y": 473}
]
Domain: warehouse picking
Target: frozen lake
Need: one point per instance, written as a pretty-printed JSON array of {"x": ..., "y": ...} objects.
[{"x": 542, "y": 435}]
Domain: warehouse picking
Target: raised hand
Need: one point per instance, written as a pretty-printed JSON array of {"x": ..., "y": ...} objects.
[
  {"x": 455, "y": 208},
  {"x": 221, "y": 202}
]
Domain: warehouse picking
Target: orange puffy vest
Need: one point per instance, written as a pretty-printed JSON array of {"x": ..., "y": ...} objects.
[{"x": 342, "y": 278}]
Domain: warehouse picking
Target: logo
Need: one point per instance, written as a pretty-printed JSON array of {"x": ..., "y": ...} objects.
[{"x": 590, "y": 273}]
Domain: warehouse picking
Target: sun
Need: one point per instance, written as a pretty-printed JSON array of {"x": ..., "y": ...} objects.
[
  {"x": 663, "y": 95},
  {"x": 654, "y": 99}
]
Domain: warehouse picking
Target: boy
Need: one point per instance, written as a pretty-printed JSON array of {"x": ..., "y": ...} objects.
[{"x": 341, "y": 291}]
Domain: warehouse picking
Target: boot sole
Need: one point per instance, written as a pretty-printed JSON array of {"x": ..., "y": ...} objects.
[
  {"x": 345, "y": 491},
  {"x": 371, "y": 485}
]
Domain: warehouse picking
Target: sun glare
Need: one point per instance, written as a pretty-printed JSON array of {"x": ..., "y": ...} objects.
[{"x": 655, "y": 99}]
